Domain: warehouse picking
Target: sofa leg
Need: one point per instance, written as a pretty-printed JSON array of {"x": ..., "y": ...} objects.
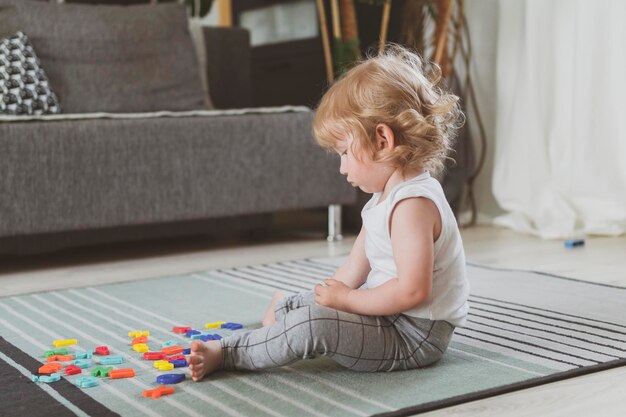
[{"x": 334, "y": 223}]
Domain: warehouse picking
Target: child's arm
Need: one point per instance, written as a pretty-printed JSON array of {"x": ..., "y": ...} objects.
[
  {"x": 414, "y": 226},
  {"x": 354, "y": 271}
]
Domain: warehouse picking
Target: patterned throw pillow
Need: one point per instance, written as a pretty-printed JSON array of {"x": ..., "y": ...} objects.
[{"x": 24, "y": 86}]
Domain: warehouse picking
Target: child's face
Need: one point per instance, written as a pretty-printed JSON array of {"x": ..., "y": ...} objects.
[{"x": 362, "y": 172}]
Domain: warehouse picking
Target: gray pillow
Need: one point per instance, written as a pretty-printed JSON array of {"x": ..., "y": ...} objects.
[
  {"x": 24, "y": 88},
  {"x": 114, "y": 58}
]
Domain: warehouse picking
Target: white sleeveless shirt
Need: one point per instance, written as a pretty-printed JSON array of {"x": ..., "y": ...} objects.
[{"x": 450, "y": 289}]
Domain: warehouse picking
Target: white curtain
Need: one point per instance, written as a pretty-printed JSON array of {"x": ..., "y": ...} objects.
[{"x": 560, "y": 157}]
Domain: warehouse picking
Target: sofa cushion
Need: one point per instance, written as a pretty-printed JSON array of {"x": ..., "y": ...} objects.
[
  {"x": 96, "y": 173},
  {"x": 24, "y": 86},
  {"x": 114, "y": 58}
]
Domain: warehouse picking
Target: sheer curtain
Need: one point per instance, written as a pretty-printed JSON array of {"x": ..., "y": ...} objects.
[{"x": 560, "y": 157}]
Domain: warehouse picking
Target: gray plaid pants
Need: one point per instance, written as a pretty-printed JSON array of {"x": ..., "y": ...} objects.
[{"x": 304, "y": 329}]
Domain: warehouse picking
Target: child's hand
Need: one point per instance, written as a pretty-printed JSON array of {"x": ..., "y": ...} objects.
[{"x": 333, "y": 295}]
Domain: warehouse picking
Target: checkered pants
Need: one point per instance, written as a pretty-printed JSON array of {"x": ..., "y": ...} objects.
[{"x": 304, "y": 329}]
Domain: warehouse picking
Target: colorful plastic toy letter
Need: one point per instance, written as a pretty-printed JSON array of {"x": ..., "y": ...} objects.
[
  {"x": 165, "y": 366},
  {"x": 159, "y": 362},
  {"x": 203, "y": 337},
  {"x": 169, "y": 343},
  {"x": 139, "y": 333},
  {"x": 215, "y": 325},
  {"x": 102, "y": 350},
  {"x": 192, "y": 332},
  {"x": 87, "y": 382},
  {"x": 181, "y": 330},
  {"x": 50, "y": 368},
  {"x": 179, "y": 363},
  {"x": 82, "y": 363},
  {"x": 141, "y": 347},
  {"x": 232, "y": 326},
  {"x": 175, "y": 358},
  {"x": 101, "y": 371},
  {"x": 206, "y": 337},
  {"x": 140, "y": 339},
  {"x": 153, "y": 356},
  {"x": 122, "y": 373},
  {"x": 47, "y": 379},
  {"x": 81, "y": 354},
  {"x": 167, "y": 379},
  {"x": 111, "y": 360},
  {"x": 64, "y": 342},
  {"x": 60, "y": 358},
  {"x": 157, "y": 392},
  {"x": 59, "y": 351},
  {"x": 173, "y": 350},
  {"x": 186, "y": 351},
  {"x": 73, "y": 370}
]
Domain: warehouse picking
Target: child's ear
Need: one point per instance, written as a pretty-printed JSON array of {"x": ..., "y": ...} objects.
[{"x": 384, "y": 137}]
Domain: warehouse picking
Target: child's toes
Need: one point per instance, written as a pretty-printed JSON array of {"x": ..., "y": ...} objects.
[
  {"x": 196, "y": 373},
  {"x": 194, "y": 360}
]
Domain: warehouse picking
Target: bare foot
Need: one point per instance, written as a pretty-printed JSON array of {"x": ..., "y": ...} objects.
[
  {"x": 204, "y": 358},
  {"x": 269, "y": 318}
]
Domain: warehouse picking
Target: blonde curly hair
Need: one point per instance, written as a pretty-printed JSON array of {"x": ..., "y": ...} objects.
[{"x": 391, "y": 89}]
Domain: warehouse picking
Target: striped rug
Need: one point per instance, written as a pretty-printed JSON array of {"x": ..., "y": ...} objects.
[{"x": 524, "y": 329}]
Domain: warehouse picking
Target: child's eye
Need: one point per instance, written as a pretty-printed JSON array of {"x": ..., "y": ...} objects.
[{"x": 344, "y": 152}]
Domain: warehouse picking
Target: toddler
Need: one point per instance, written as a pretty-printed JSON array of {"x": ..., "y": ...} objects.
[{"x": 395, "y": 302}]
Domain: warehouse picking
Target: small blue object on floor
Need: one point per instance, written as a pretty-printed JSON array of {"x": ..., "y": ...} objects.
[
  {"x": 205, "y": 337},
  {"x": 170, "y": 379},
  {"x": 81, "y": 354},
  {"x": 47, "y": 378},
  {"x": 192, "y": 332},
  {"x": 111, "y": 360},
  {"x": 87, "y": 382},
  {"x": 574, "y": 243},
  {"x": 232, "y": 326},
  {"x": 81, "y": 363},
  {"x": 179, "y": 363}
]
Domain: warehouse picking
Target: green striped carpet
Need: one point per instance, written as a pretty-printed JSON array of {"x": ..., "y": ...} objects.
[{"x": 524, "y": 329}]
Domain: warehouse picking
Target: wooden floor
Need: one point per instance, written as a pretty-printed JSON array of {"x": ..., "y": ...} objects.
[{"x": 600, "y": 260}]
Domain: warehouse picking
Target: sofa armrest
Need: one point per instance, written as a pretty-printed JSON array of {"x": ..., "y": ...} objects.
[{"x": 228, "y": 66}]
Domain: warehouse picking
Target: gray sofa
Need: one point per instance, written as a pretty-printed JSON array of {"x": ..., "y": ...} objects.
[{"x": 111, "y": 168}]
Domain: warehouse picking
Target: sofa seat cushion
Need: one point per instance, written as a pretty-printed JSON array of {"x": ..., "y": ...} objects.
[
  {"x": 114, "y": 58},
  {"x": 24, "y": 88},
  {"x": 110, "y": 172}
]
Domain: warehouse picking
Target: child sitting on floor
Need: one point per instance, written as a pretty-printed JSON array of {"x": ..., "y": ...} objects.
[{"x": 395, "y": 302}]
